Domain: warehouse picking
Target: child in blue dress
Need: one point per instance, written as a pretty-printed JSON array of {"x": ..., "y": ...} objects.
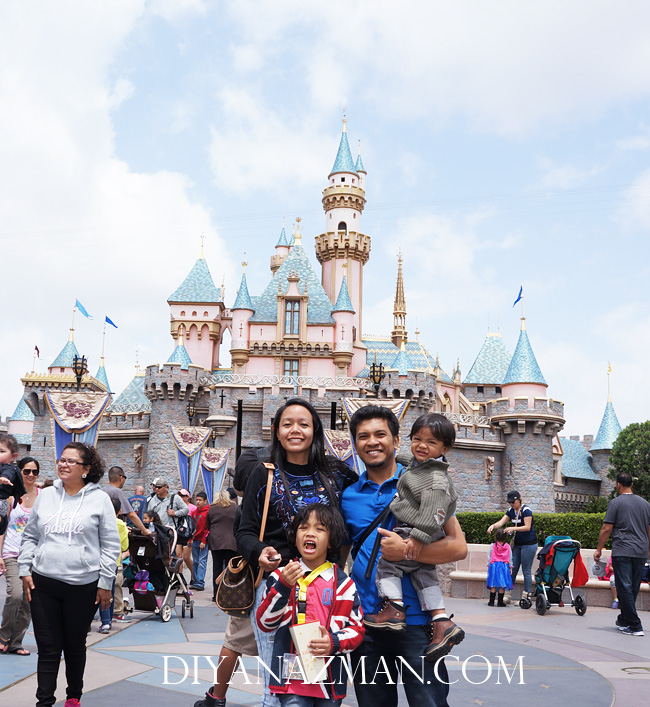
[{"x": 499, "y": 576}]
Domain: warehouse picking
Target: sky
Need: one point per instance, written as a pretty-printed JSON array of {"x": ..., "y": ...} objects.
[{"x": 507, "y": 144}]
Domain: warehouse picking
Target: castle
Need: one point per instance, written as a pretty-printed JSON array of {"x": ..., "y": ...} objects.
[{"x": 303, "y": 335}]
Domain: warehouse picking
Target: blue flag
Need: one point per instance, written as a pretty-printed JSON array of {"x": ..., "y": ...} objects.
[
  {"x": 108, "y": 321},
  {"x": 519, "y": 296},
  {"x": 82, "y": 309}
]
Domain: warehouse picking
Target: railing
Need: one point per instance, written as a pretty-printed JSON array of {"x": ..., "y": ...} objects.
[
  {"x": 295, "y": 381},
  {"x": 461, "y": 418},
  {"x": 128, "y": 407}
]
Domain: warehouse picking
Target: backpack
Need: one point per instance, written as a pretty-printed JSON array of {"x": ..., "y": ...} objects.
[{"x": 185, "y": 525}]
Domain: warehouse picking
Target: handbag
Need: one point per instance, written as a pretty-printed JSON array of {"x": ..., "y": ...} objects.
[{"x": 237, "y": 583}]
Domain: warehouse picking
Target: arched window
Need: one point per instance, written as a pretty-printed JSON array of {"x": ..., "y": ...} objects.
[
  {"x": 292, "y": 318},
  {"x": 343, "y": 226}
]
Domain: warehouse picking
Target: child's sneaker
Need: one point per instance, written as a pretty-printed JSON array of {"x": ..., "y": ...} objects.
[
  {"x": 209, "y": 701},
  {"x": 444, "y": 636},
  {"x": 104, "y": 628},
  {"x": 615, "y": 604},
  {"x": 391, "y": 615},
  {"x": 74, "y": 702}
]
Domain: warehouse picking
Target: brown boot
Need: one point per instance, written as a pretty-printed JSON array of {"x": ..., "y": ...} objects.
[
  {"x": 444, "y": 636},
  {"x": 391, "y": 616}
]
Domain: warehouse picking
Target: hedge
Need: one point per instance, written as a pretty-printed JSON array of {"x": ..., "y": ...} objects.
[{"x": 584, "y": 527}]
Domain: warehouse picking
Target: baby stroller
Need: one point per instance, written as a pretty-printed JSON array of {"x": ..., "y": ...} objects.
[
  {"x": 552, "y": 576},
  {"x": 154, "y": 575}
]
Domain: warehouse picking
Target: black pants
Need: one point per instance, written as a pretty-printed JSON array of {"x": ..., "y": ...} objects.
[
  {"x": 61, "y": 614},
  {"x": 220, "y": 559}
]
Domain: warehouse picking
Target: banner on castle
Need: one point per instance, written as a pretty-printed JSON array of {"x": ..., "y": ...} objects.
[
  {"x": 75, "y": 416},
  {"x": 214, "y": 462},
  {"x": 339, "y": 444},
  {"x": 351, "y": 405},
  {"x": 188, "y": 442}
]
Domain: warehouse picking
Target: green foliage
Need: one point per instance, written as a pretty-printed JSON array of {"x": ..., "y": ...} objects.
[
  {"x": 584, "y": 527},
  {"x": 631, "y": 454},
  {"x": 596, "y": 504}
]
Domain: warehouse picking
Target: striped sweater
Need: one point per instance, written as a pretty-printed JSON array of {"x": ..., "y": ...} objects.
[
  {"x": 426, "y": 499},
  {"x": 278, "y": 610}
]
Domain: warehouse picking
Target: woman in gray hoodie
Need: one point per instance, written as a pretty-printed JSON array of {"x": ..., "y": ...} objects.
[{"x": 67, "y": 564}]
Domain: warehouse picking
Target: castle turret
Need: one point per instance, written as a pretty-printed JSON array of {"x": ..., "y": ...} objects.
[
  {"x": 62, "y": 364},
  {"x": 180, "y": 354},
  {"x": 21, "y": 424},
  {"x": 524, "y": 377},
  {"x": 399, "y": 334},
  {"x": 343, "y": 315},
  {"x": 197, "y": 308},
  {"x": 342, "y": 242},
  {"x": 242, "y": 311},
  {"x": 281, "y": 251},
  {"x": 602, "y": 446},
  {"x": 360, "y": 169},
  {"x": 486, "y": 376},
  {"x": 101, "y": 375}
]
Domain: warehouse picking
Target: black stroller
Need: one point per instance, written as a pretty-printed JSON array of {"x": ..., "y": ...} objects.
[
  {"x": 552, "y": 576},
  {"x": 154, "y": 575}
]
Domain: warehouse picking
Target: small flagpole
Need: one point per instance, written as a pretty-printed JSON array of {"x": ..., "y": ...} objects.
[
  {"x": 74, "y": 309},
  {"x": 34, "y": 361},
  {"x": 609, "y": 370},
  {"x": 104, "y": 338}
]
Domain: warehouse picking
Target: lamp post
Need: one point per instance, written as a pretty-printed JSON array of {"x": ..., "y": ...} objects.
[
  {"x": 213, "y": 437},
  {"x": 377, "y": 375},
  {"x": 191, "y": 411},
  {"x": 342, "y": 417},
  {"x": 80, "y": 368}
]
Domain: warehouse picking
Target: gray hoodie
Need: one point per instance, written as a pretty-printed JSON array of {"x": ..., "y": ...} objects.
[{"x": 71, "y": 538}]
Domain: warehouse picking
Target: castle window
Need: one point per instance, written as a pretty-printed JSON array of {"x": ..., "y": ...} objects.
[
  {"x": 497, "y": 390},
  {"x": 183, "y": 313},
  {"x": 479, "y": 389},
  {"x": 291, "y": 366},
  {"x": 343, "y": 226},
  {"x": 342, "y": 179},
  {"x": 194, "y": 314},
  {"x": 292, "y": 318}
]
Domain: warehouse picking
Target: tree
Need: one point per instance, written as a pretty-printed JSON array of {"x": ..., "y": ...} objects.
[{"x": 631, "y": 454}]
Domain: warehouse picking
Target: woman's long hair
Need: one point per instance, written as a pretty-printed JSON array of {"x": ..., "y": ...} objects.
[{"x": 317, "y": 458}]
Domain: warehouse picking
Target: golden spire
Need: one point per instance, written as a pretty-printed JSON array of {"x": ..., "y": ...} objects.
[
  {"x": 202, "y": 256},
  {"x": 298, "y": 234},
  {"x": 137, "y": 362},
  {"x": 609, "y": 370},
  {"x": 399, "y": 333},
  {"x": 345, "y": 120},
  {"x": 244, "y": 263}
]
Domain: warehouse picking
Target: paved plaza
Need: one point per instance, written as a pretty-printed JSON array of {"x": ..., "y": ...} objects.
[{"x": 561, "y": 658}]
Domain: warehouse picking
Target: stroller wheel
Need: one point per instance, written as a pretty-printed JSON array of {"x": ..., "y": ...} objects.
[
  {"x": 580, "y": 605},
  {"x": 541, "y": 605},
  {"x": 183, "y": 605},
  {"x": 525, "y": 603},
  {"x": 165, "y": 612},
  {"x": 192, "y": 608}
]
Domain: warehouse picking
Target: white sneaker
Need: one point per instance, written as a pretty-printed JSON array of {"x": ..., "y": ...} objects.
[{"x": 629, "y": 632}]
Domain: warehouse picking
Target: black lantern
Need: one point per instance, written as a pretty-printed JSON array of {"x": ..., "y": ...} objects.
[
  {"x": 342, "y": 416},
  {"x": 377, "y": 375},
  {"x": 213, "y": 437},
  {"x": 80, "y": 368},
  {"x": 191, "y": 411}
]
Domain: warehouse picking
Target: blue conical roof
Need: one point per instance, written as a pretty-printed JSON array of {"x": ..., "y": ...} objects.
[
  {"x": 608, "y": 431},
  {"x": 133, "y": 395},
  {"x": 66, "y": 357},
  {"x": 282, "y": 241},
  {"x": 243, "y": 300},
  {"x": 181, "y": 356},
  {"x": 343, "y": 301},
  {"x": 401, "y": 363},
  {"x": 102, "y": 377},
  {"x": 22, "y": 412},
  {"x": 343, "y": 161},
  {"x": 359, "y": 165},
  {"x": 198, "y": 286},
  {"x": 523, "y": 367},
  {"x": 491, "y": 364}
]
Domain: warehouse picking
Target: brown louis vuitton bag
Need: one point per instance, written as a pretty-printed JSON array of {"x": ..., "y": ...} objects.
[{"x": 237, "y": 583}]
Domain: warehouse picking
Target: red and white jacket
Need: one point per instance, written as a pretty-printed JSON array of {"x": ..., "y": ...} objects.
[{"x": 278, "y": 611}]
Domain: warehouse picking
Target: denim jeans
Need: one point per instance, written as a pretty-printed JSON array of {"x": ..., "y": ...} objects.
[
  {"x": 425, "y": 689},
  {"x": 264, "y": 649},
  {"x": 303, "y": 701},
  {"x": 627, "y": 577},
  {"x": 200, "y": 562},
  {"x": 106, "y": 615},
  {"x": 523, "y": 556}
]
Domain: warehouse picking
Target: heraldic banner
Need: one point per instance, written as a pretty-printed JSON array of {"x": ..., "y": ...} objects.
[
  {"x": 75, "y": 416},
  {"x": 189, "y": 442},
  {"x": 351, "y": 405},
  {"x": 339, "y": 444},
  {"x": 214, "y": 462}
]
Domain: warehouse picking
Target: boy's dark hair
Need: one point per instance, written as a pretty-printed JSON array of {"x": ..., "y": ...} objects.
[
  {"x": 500, "y": 535},
  {"x": 116, "y": 505},
  {"x": 372, "y": 412},
  {"x": 624, "y": 479},
  {"x": 10, "y": 442},
  {"x": 439, "y": 426},
  {"x": 330, "y": 517},
  {"x": 201, "y": 494}
]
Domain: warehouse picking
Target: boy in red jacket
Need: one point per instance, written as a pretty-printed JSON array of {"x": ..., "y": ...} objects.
[{"x": 200, "y": 541}]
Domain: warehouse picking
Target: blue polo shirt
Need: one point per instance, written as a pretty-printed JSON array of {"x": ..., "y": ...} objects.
[{"x": 361, "y": 503}]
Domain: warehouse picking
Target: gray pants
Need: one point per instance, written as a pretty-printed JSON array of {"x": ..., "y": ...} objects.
[
  {"x": 423, "y": 577},
  {"x": 16, "y": 614}
]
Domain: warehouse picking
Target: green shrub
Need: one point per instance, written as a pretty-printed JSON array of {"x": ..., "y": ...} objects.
[
  {"x": 584, "y": 527},
  {"x": 596, "y": 504}
]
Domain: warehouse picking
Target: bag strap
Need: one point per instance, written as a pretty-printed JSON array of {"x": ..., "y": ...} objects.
[
  {"x": 379, "y": 519},
  {"x": 267, "y": 500}
]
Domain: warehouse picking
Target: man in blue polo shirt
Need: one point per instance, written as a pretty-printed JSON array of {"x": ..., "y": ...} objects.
[{"x": 375, "y": 431}]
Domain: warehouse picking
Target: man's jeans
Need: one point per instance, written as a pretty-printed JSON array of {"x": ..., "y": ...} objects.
[
  {"x": 200, "y": 561},
  {"x": 523, "y": 555},
  {"x": 627, "y": 576},
  {"x": 424, "y": 689}
]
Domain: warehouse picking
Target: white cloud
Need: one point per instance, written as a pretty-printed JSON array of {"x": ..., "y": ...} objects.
[
  {"x": 174, "y": 10},
  {"x": 559, "y": 177}
]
